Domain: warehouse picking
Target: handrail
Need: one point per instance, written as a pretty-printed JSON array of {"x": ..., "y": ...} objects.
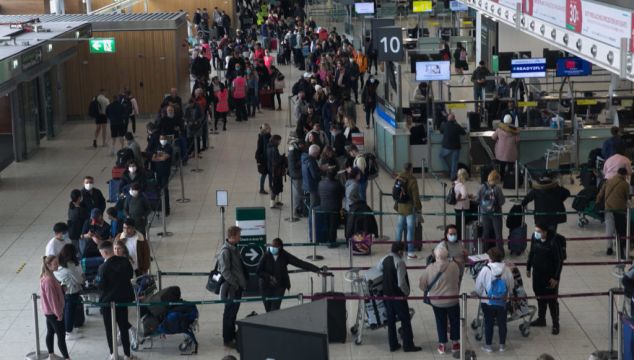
[{"x": 117, "y": 6}]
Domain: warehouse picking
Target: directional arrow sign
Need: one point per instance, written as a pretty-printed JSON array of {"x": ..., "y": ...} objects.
[
  {"x": 102, "y": 45},
  {"x": 251, "y": 254}
]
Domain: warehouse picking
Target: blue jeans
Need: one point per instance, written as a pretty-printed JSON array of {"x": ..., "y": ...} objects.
[
  {"x": 363, "y": 185},
  {"x": 262, "y": 180},
  {"x": 441, "y": 314},
  {"x": 494, "y": 315},
  {"x": 410, "y": 220},
  {"x": 450, "y": 157},
  {"x": 70, "y": 304}
]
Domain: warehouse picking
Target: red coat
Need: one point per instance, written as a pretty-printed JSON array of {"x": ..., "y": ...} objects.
[
  {"x": 258, "y": 53},
  {"x": 223, "y": 101}
]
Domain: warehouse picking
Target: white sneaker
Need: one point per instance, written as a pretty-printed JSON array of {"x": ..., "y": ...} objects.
[
  {"x": 72, "y": 336},
  {"x": 132, "y": 332},
  {"x": 131, "y": 357},
  {"x": 487, "y": 348},
  {"x": 502, "y": 348}
]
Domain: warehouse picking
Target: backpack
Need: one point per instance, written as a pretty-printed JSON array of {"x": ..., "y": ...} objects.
[
  {"x": 497, "y": 292},
  {"x": 124, "y": 156},
  {"x": 371, "y": 166},
  {"x": 127, "y": 106},
  {"x": 399, "y": 191},
  {"x": 179, "y": 319},
  {"x": 93, "y": 108},
  {"x": 487, "y": 202},
  {"x": 293, "y": 40},
  {"x": 451, "y": 196}
]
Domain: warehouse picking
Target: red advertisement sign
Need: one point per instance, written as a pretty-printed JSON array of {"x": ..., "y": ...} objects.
[
  {"x": 574, "y": 15},
  {"x": 527, "y": 7}
]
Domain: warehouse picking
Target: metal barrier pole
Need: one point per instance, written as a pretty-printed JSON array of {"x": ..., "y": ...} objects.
[
  {"x": 618, "y": 246},
  {"x": 423, "y": 173},
  {"x": 222, "y": 220},
  {"x": 164, "y": 233},
  {"x": 160, "y": 280},
  {"x": 525, "y": 181},
  {"x": 313, "y": 229},
  {"x": 196, "y": 169},
  {"x": 183, "y": 199},
  {"x": 444, "y": 205},
  {"x": 37, "y": 355},
  {"x": 628, "y": 231},
  {"x": 292, "y": 218},
  {"x": 517, "y": 183},
  {"x": 463, "y": 226},
  {"x": 114, "y": 327},
  {"x": 463, "y": 324},
  {"x": 290, "y": 111},
  {"x": 619, "y": 332},
  {"x": 611, "y": 300}
]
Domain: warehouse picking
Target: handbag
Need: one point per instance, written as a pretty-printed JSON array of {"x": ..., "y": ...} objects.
[
  {"x": 215, "y": 280},
  {"x": 426, "y": 299}
]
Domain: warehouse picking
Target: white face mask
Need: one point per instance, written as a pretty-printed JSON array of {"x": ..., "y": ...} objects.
[
  {"x": 134, "y": 193},
  {"x": 132, "y": 169},
  {"x": 163, "y": 142},
  {"x": 452, "y": 237},
  {"x": 88, "y": 186}
]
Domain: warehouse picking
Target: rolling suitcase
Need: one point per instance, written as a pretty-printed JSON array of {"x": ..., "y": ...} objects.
[
  {"x": 336, "y": 313},
  {"x": 475, "y": 120},
  {"x": 113, "y": 190},
  {"x": 509, "y": 179},
  {"x": 273, "y": 44},
  {"x": 117, "y": 172},
  {"x": 321, "y": 226},
  {"x": 517, "y": 231},
  {"x": 153, "y": 194},
  {"x": 266, "y": 99}
]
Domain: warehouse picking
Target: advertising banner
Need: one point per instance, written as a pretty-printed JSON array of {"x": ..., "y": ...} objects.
[{"x": 550, "y": 11}]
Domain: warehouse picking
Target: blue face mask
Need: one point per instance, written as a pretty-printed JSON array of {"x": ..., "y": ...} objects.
[
  {"x": 452, "y": 237},
  {"x": 537, "y": 235},
  {"x": 274, "y": 250}
]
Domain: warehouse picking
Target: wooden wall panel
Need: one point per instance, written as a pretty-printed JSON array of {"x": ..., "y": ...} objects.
[
  {"x": 189, "y": 6},
  {"x": 74, "y": 7},
  {"x": 11, "y": 7},
  {"x": 145, "y": 62}
]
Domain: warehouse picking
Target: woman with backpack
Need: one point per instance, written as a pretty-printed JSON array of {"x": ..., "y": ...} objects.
[
  {"x": 52, "y": 296},
  {"x": 493, "y": 285},
  {"x": 442, "y": 278},
  {"x": 71, "y": 277},
  {"x": 490, "y": 200}
]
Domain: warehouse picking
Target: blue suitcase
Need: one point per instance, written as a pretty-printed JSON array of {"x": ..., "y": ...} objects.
[
  {"x": 321, "y": 229},
  {"x": 113, "y": 190},
  {"x": 90, "y": 267}
]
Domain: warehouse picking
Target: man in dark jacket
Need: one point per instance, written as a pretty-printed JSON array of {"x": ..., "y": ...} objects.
[
  {"x": 94, "y": 231},
  {"x": 609, "y": 146},
  {"x": 233, "y": 272},
  {"x": 273, "y": 273},
  {"x": 77, "y": 215},
  {"x": 117, "y": 117},
  {"x": 450, "y": 152},
  {"x": 549, "y": 197},
  {"x": 330, "y": 197},
  {"x": 91, "y": 197},
  {"x": 276, "y": 170},
  {"x": 200, "y": 67},
  {"x": 546, "y": 257},
  {"x": 396, "y": 283},
  {"x": 311, "y": 175},
  {"x": 295, "y": 173},
  {"x": 114, "y": 280}
]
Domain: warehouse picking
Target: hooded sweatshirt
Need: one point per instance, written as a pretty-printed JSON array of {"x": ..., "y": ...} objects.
[
  {"x": 488, "y": 274},
  {"x": 506, "y": 138},
  {"x": 549, "y": 197}
]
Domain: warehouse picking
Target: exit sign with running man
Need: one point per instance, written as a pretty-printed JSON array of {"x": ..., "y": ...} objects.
[{"x": 102, "y": 45}]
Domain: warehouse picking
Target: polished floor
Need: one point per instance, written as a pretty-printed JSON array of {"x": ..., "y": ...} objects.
[{"x": 35, "y": 195}]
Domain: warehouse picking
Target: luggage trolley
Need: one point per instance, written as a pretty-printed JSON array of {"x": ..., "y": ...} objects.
[
  {"x": 371, "y": 314},
  {"x": 518, "y": 309}
]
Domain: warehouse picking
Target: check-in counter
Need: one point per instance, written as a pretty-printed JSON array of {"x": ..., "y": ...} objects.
[
  {"x": 434, "y": 162},
  {"x": 392, "y": 145},
  {"x": 533, "y": 144},
  {"x": 591, "y": 137}
]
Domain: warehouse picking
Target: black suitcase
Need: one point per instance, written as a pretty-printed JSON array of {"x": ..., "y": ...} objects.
[
  {"x": 124, "y": 156},
  {"x": 517, "y": 240},
  {"x": 336, "y": 317},
  {"x": 509, "y": 179},
  {"x": 475, "y": 120}
]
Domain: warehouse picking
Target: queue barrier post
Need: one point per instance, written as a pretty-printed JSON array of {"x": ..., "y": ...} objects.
[
  {"x": 37, "y": 354},
  {"x": 183, "y": 199},
  {"x": 525, "y": 181},
  {"x": 113, "y": 328},
  {"x": 381, "y": 217},
  {"x": 463, "y": 226},
  {"x": 617, "y": 243},
  {"x": 422, "y": 175},
  {"x": 164, "y": 233},
  {"x": 290, "y": 109},
  {"x": 291, "y": 218},
  {"x": 160, "y": 280},
  {"x": 517, "y": 183},
  {"x": 313, "y": 230},
  {"x": 196, "y": 168},
  {"x": 463, "y": 324},
  {"x": 628, "y": 230},
  {"x": 444, "y": 205},
  {"x": 611, "y": 302},
  {"x": 619, "y": 336}
]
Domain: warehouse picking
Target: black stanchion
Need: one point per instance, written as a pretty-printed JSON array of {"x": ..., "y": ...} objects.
[
  {"x": 196, "y": 168},
  {"x": 164, "y": 233},
  {"x": 114, "y": 327},
  {"x": 292, "y": 218},
  {"x": 314, "y": 256}
]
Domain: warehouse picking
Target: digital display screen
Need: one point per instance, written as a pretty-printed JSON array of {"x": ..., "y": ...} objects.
[
  {"x": 432, "y": 70},
  {"x": 528, "y": 68},
  {"x": 422, "y": 6},
  {"x": 457, "y": 6},
  {"x": 573, "y": 66},
  {"x": 364, "y": 7}
]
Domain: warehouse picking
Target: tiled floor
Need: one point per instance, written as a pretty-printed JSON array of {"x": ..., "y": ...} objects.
[{"x": 35, "y": 194}]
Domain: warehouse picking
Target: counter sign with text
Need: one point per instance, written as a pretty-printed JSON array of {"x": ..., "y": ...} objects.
[{"x": 528, "y": 68}]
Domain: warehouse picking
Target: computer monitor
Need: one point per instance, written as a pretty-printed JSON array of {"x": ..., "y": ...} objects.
[
  {"x": 573, "y": 66},
  {"x": 364, "y": 8},
  {"x": 433, "y": 70},
  {"x": 528, "y": 68}
]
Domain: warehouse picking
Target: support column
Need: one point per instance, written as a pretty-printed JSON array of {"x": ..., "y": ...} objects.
[{"x": 478, "y": 37}]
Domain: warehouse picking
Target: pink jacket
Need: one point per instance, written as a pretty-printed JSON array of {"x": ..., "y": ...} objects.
[
  {"x": 52, "y": 297},
  {"x": 506, "y": 139},
  {"x": 223, "y": 101}
]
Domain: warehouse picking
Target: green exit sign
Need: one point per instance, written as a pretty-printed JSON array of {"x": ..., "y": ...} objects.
[{"x": 101, "y": 45}]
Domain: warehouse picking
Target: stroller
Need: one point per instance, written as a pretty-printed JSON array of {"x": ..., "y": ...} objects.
[
  {"x": 90, "y": 291},
  {"x": 371, "y": 314},
  {"x": 518, "y": 308},
  {"x": 160, "y": 320},
  {"x": 585, "y": 204}
]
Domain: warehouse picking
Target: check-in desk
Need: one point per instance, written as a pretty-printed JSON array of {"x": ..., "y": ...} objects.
[
  {"x": 392, "y": 145},
  {"x": 591, "y": 137},
  {"x": 533, "y": 144},
  {"x": 435, "y": 142}
]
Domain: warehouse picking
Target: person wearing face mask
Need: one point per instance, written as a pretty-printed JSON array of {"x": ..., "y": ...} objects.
[
  {"x": 94, "y": 231},
  {"x": 273, "y": 273},
  {"x": 442, "y": 278},
  {"x": 77, "y": 215},
  {"x": 507, "y": 139},
  {"x": 491, "y": 199},
  {"x": 162, "y": 165},
  {"x": 456, "y": 250},
  {"x": 138, "y": 247},
  {"x": 369, "y": 99},
  {"x": 137, "y": 207},
  {"x": 135, "y": 147},
  {"x": 134, "y": 174},
  {"x": 545, "y": 261},
  {"x": 239, "y": 95},
  {"x": 91, "y": 197},
  {"x": 55, "y": 245}
]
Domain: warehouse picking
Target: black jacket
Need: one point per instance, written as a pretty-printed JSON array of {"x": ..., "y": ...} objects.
[
  {"x": 544, "y": 259},
  {"x": 127, "y": 181},
  {"x": 295, "y": 163},
  {"x": 360, "y": 223},
  {"x": 77, "y": 215},
  {"x": 390, "y": 278},
  {"x": 260, "y": 152},
  {"x": 93, "y": 199},
  {"x": 451, "y": 132},
  {"x": 549, "y": 198},
  {"x": 114, "y": 277},
  {"x": 116, "y": 113},
  {"x": 278, "y": 269},
  {"x": 330, "y": 195}
]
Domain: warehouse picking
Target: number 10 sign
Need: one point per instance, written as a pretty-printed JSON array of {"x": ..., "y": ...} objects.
[{"x": 388, "y": 41}]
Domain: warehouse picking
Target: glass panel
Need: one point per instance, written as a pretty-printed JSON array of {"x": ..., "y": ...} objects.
[{"x": 28, "y": 99}]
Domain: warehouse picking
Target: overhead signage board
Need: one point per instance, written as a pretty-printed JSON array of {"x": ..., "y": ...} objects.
[
  {"x": 102, "y": 45},
  {"x": 528, "y": 68},
  {"x": 455, "y": 5},
  {"x": 388, "y": 41},
  {"x": 422, "y": 6},
  {"x": 364, "y": 8},
  {"x": 432, "y": 70},
  {"x": 573, "y": 66}
]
